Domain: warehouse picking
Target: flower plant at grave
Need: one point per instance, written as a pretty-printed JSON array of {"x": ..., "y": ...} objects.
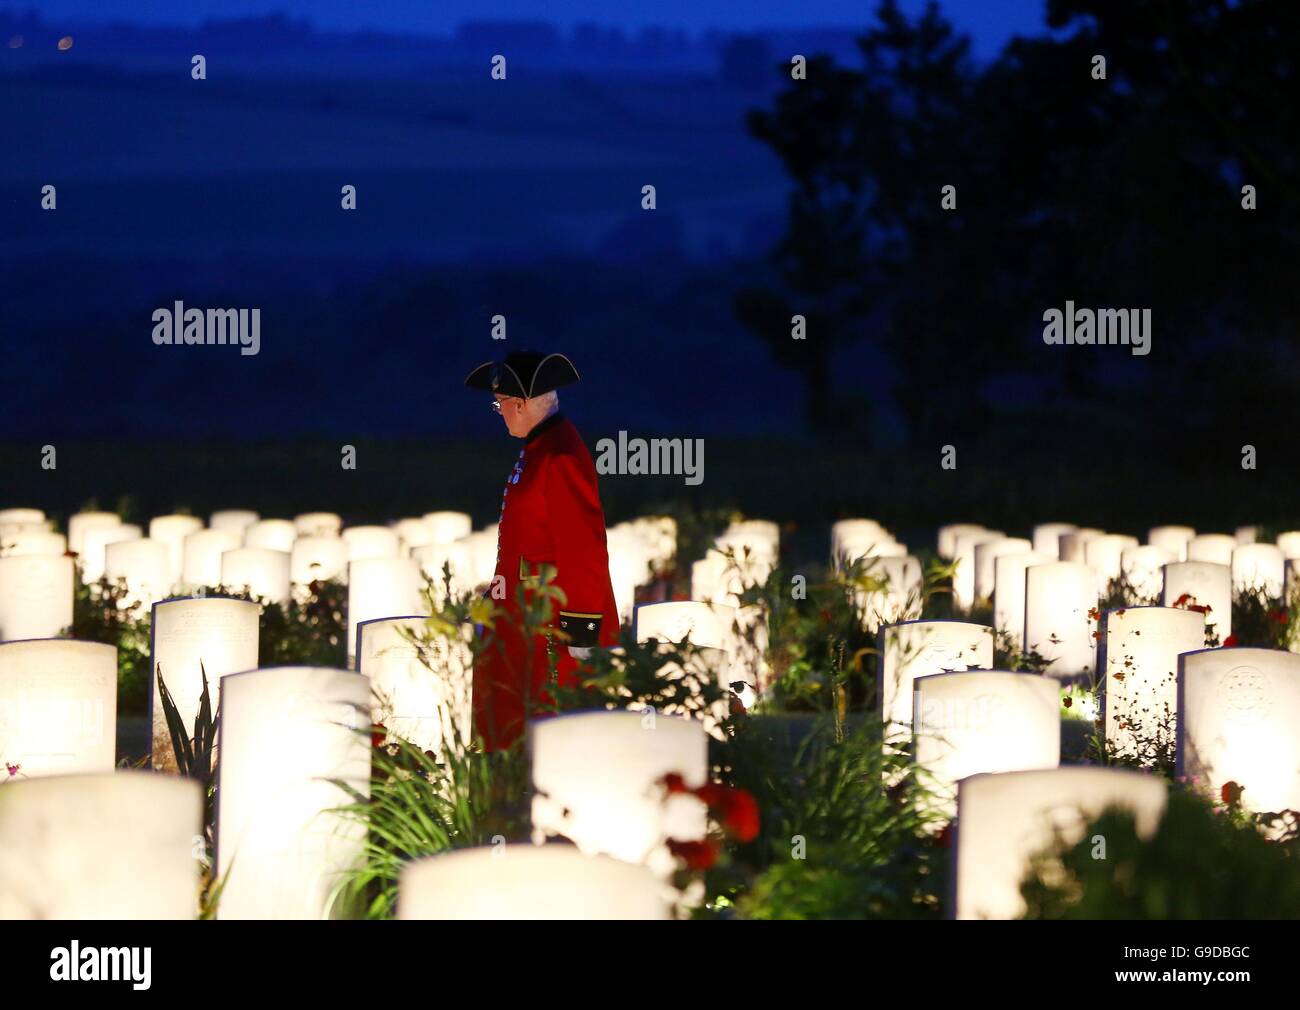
[
  {"x": 1205, "y": 861},
  {"x": 309, "y": 630},
  {"x": 1261, "y": 620},
  {"x": 105, "y": 611}
]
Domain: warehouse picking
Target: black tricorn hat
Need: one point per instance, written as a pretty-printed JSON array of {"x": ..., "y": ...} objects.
[{"x": 524, "y": 374}]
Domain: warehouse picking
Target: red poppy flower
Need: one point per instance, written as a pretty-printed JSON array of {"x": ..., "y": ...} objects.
[
  {"x": 1280, "y": 616},
  {"x": 1182, "y": 599},
  {"x": 740, "y": 816},
  {"x": 378, "y": 734},
  {"x": 1231, "y": 793},
  {"x": 673, "y": 783},
  {"x": 944, "y": 838},
  {"x": 1067, "y": 702},
  {"x": 696, "y": 855},
  {"x": 1230, "y": 641}
]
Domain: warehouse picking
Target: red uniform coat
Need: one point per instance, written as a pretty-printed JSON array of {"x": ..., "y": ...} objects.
[{"x": 550, "y": 512}]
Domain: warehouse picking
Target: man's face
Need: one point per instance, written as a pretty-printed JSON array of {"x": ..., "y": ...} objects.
[{"x": 511, "y": 409}]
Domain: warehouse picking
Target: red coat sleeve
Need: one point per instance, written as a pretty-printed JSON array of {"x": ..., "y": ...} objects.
[{"x": 581, "y": 553}]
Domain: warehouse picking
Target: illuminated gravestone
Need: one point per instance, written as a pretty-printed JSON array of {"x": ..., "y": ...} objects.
[
  {"x": 856, "y": 531},
  {"x": 382, "y": 587},
  {"x": 984, "y": 721},
  {"x": 94, "y": 547},
  {"x": 1143, "y": 569},
  {"x": 201, "y": 564},
  {"x": 448, "y": 526},
  {"x": 986, "y": 554},
  {"x": 21, "y": 517},
  {"x": 917, "y": 649},
  {"x": 367, "y": 542},
  {"x": 947, "y": 541},
  {"x": 1009, "y": 591},
  {"x": 1205, "y": 584},
  {"x": 898, "y": 599},
  {"x": 710, "y": 627},
  {"x": 1073, "y": 544},
  {"x": 263, "y": 573},
  {"x": 80, "y": 523},
  {"x": 1238, "y": 714},
  {"x": 144, "y": 565},
  {"x": 413, "y": 533},
  {"x": 528, "y": 882},
  {"x": 420, "y": 684},
  {"x": 435, "y": 559},
  {"x": 1003, "y": 820},
  {"x": 272, "y": 535},
  {"x": 1247, "y": 534},
  {"x": 1258, "y": 567},
  {"x": 1046, "y": 538},
  {"x": 1058, "y": 597},
  {"x": 289, "y": 735},
  {"x": 1173, "y": 539},
  {"x": 1139, "y": 654},
  {"x": 719, "y": 580},
  {"x": 35, "y": 597},
  {"x": 482, "y": 548},
  {"x": 115, "y": 845},
  {"x": 232, "y": 519},
  {"x": 318, "y": 524},
  {"x": 58, "y": 706},
  {"x": 33, "y": 542},
  {"x": 963, "y": 580},
  {"x": 318, "y": 559},
  {"x": 190, "y": 637},
  {"x": 1289, "y": 544},
  {"x": 1102, "y": 554},
  {"x": 171, "y": 532},
  {"x": 595, "y": 776},
  {"x": 1213, "y": 547}
]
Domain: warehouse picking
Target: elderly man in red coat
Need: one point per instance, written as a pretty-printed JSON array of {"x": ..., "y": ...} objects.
[{"x": 550, "y": 514}]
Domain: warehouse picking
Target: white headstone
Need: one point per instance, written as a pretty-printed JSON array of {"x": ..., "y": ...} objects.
[
  {"x": 94, "y": 546},
  {"x": 58, "y": 706},
  {"x": 367, "y": 542},
  {"x": 1205, "y": 584},
  {"x": 413, "y": 533},
  {"x": 32, "y": 541},
  {"x": 947, "y": 541},
  {"x": 1289, "y": 544},
  {"x": 272, "y": 535},
  {"x": 448, "y": 526},
  {"x": 1258, "y": 567},
  {"x": 919, "y": 648},
  {"x": 289, "y": 736},
  {"x": 1047, "y": 538},
  {"x": 1058, "y": 598},
  {"x": 1073, "y": 544},
  {"x": 1140, "y": 647},
  {"x": 211, "y": 635},
  {"x": 528, "y": 882},
  {"x": 986, "y": 554},
  {"x": 1238, "y": 719},
  {"x": 984, "y": 721},
  {"x": 233, "y": 519},
  {"x": 963, "y": 580},
  {"x": 420, "y": 685},
  {"x": 21, "y": 517},
  {"x": 35, "y": 597},
  {"x": 264, "y": 573},
  {"x": 1213, "y": 547},
  {"x": 116, "y": 845},
  {"x": 318, "y": 524},
  {"x": 318, "y": 559},
  {"x": 382, "y": 587},
  {"x": 144, "y": 565},
  {"x": 1009, "y": 591},
  {"x": 1247, "y": 534},
  {"x": 83, "y": 521},
  {"x": 1004, "y": 820},
  {"x": 201, "y": 554},
  {"x": 898, "y": 597},
  {"x": 1103, "y": 554},
  {"x": 595, "y": 776},
  {"x": 171, "y": 532},
  {"x": 1143, "y": 568},
  {"x": 694, "y": 621},
  {"x": 1172, "y": 538}
]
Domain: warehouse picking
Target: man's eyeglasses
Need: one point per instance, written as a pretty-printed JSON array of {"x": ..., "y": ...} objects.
[{"x": 496, "y": 406}]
